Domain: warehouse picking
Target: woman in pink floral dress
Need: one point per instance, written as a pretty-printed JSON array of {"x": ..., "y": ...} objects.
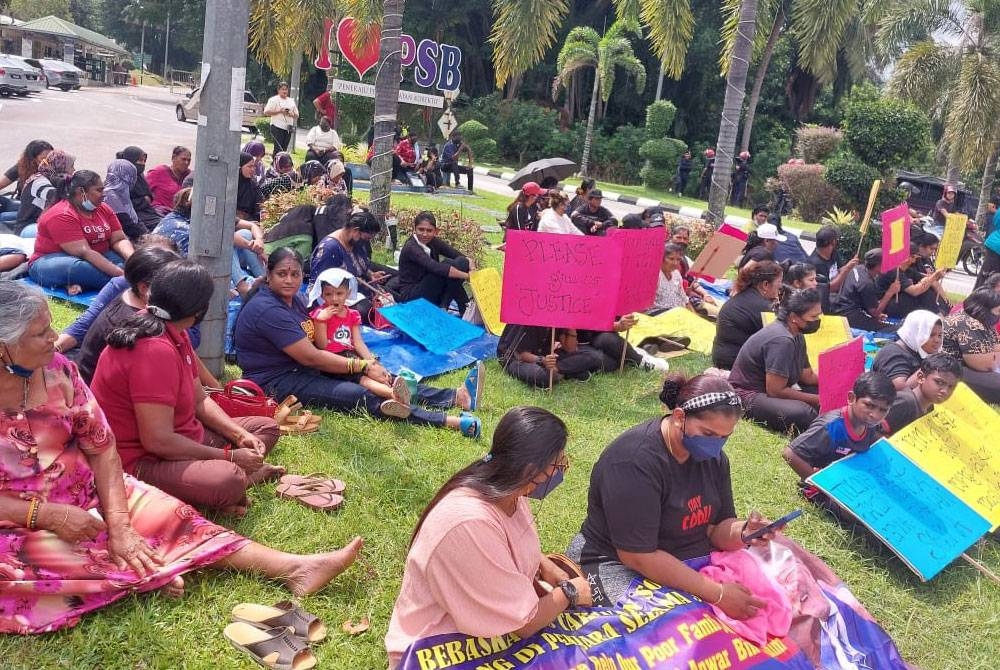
[{"x": 75, "y": 533}]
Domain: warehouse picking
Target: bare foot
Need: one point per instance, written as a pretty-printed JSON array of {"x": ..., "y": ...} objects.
[
  {"x": 462, "y": 397},
  {"x": 238, "y": 511},
  {"x": 315, "y": 571},
  {"x": 265, "y": 473},
  {"x": 74, "y": 289},
  {"x": 173, "y": 590}
]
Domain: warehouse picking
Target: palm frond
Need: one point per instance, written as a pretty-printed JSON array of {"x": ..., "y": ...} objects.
[
  {"x": 818, "y": 28},
  {"x": 671, "y": 27},
  {"x": 768, "y": 11},
  {"x": 924, "y": 74},
  {"x": 971, "y": 130},
  {"x": 281, "y": 29},
  {"x": 523, "y": 30},
  {"x": 908, "y": 21}
]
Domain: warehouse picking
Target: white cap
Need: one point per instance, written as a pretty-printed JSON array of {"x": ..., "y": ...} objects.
[{"x": 769, "y": 231}]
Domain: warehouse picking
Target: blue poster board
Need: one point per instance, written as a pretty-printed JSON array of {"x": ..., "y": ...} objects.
[
  {"x": 436, "y": 329},
  {"x": 919, "y": 519},
  {"x": 396, "y": 352}
]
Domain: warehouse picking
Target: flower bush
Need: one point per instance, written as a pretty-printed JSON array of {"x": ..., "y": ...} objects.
[
  {"x": 815, "y": 144},
  {"x": 812, "y": 194},
  {"x": 275, "y": 207},
  {"x": 462, "y": 233}
]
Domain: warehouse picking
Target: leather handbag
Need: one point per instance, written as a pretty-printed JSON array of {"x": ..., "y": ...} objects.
[{"x": 242, "y": 397}]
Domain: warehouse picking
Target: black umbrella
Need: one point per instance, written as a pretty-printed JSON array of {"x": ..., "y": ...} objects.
[{"x": 560, "y": 168}]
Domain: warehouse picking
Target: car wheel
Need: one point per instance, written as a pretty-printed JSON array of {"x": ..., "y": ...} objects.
[
  {"x": 4, "y": 93},
  {"x": 65, "y": 88},
  {"x": 180, "y": 114}
]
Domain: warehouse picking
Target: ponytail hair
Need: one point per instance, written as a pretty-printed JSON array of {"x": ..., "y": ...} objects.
[
  {"x": 679, "y": 389},
  {"x": 798, "y": 303},
  {"x": 181, "y": 289},
  {"x": 526, "y": 441},
  {"x": 753, "y": 240},
  {"x": 68, "y": 185},
  {"x": 753, "y": 275}
]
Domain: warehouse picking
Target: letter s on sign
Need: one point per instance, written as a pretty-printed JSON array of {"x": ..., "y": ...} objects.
[{"x": 425, "y": 73}]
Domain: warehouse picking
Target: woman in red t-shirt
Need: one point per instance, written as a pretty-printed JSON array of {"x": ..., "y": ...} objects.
[
  {"x": 80, "y": 243},
  {"x": 165, "y": 180}
]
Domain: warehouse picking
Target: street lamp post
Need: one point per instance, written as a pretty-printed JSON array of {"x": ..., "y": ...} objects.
[{"x": 166, "y": 46}]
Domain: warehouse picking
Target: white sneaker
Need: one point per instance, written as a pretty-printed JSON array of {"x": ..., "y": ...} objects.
[{"x": 653, "y": 363}]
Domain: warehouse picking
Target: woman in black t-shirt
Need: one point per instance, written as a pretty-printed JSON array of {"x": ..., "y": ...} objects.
[
  {"x": 740, "y": 317},
  {"x": 920, "y": 336},
  {"x": 660, "y": 495}
]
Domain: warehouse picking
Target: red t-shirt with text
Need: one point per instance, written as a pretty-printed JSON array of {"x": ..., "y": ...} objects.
[{"x": 63, "y": 223}]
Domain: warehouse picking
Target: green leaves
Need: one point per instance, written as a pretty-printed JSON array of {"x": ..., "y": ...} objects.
[
  {"x": 818, "y": 28},
  {"x": 523, "y": 30},
  {"x": 671, "y": 25}
]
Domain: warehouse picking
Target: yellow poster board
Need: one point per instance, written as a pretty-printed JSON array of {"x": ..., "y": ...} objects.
[
  {"x": 951, "y": 241},
  {"x": 833, "y": 330},
  {"x": 954, "y": 444},
  {"x": 872, "y": 195},
  {"x": 486, "y": 288},
  {"x": 679, "y": 321}
]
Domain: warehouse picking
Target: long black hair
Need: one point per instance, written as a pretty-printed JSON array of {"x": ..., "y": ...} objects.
[
  {"x": 180, "y": 290},
  {"x": 979, "y": 305},
  {"x": 526, "y": 441},
  {"x": 143, "y": 265},
  {"x": 364, "y": 221}
]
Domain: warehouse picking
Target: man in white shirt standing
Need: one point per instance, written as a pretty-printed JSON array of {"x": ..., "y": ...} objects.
[
  {"x": 284, "y": 114},
  {"x": 323, "y": 142}
]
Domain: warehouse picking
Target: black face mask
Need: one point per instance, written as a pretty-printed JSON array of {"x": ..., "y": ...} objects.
[{"x": 810, "y": 327}]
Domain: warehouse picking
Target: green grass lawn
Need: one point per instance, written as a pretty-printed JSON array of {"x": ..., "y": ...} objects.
[{"x": 393, "y": 469}]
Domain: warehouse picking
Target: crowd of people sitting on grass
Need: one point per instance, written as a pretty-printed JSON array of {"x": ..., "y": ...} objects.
[{"x": 122, "y": 448}]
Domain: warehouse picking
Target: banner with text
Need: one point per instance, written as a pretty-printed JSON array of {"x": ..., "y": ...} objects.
[
  {"x": 642, "y": 255},
  {"x": 951, "y": 242},
  {"x": 560, "y": 281}
]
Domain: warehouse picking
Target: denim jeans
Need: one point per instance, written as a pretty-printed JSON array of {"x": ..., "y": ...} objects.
[
  {"x": 245, "y": 262},
  {"x": 30, "y": 231},
  {"x": 60, "y": 270},
  {"x": 8, "y": 209},
  {"x": 318, "y": 389}
]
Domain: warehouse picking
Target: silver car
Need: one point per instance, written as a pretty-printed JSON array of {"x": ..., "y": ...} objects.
[
  {"x": 34, "y": 78},
  {"x": 13, "y": 80},
  {"x": 188, "y": 105},
  {"x": 58, "y": 74}
]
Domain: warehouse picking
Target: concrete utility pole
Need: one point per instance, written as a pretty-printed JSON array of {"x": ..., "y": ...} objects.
[{"x": 213, "y": 207}]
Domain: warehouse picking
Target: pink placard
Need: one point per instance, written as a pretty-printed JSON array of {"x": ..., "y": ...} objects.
[
  {"x": 642, "y": 255},
  {"x": 720, "y": 253},
  {"x": 560, "y": 281},
  {"x": 839, "y": 367},
  {"x": 895, "y": 237}
]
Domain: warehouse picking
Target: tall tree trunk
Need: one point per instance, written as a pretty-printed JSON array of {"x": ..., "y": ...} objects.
[
  {"x": 513, "y": 87},
  {"x": 986, "y": 193},
  {"x": 758, "y": 80},
  {"x": 953, "y": 173},
  {"x": 659, "y": 83},
  {"x": 386, "y": 106},
  {"x": 294, "y": 93},
  {"x": 736, "y": 85},
  {"x": 588, "y": 139}
]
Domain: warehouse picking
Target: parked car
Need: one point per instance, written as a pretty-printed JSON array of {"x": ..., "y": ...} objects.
[
  {"x": 59, "y": 74},
  {"x": 13, "y": 80},
  {"x": 34, "y": 78},
  {"x": 187, "y": 108}
]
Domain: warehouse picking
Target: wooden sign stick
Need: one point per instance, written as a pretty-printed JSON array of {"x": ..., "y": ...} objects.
[
  {"x": 981, "y": 568},
  {"x": 552, "y": 349},
  {"x": 621, "y": 363}
]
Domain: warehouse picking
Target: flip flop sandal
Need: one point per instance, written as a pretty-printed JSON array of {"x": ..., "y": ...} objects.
[
  {"x": 322, "y": 502},
  {"x": 285, "y": 614},
  {"x": 301, "y": 424},
  {"x": 285, "y": 407},
  {"x": 395, "y": 409},
  {"x": 315, "y": 482},
  {"x": 275, "y": 648},
  {"x": 401, "y": 391},
  {"x": 298, "y": 490},
  {"x": 470, "y": 425},
  {"x": 474, "y": 382}
]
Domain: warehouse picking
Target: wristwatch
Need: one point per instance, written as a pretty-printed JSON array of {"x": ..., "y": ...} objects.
[{"x": 569, "y": 588}]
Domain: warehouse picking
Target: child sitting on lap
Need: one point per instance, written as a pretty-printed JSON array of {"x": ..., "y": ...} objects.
[
  {"x": 936, "y": 380},
  {"x": 839, "y": 433}
]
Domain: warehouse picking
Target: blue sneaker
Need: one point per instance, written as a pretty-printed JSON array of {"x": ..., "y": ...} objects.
[
  {"x": 474, "y": 382},
  {"x": 470, "y": 425}
]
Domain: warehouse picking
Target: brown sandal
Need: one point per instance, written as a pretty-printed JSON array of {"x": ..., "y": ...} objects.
[
  {"x": 300, "y": 424},
  {"x": 323, "y": 502},
  {"x": 316, "y": 482},
  {"x": 285, "y": 614},
  {"x": 275, "y": 648}
]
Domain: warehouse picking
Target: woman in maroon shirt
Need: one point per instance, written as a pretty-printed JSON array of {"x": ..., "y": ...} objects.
[
  {"x": 80, "y": 243},
  {"x": 165, "y": 180}
]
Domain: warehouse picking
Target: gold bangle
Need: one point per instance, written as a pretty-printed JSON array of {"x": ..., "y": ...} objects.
[{"x": 722, "y": 594}]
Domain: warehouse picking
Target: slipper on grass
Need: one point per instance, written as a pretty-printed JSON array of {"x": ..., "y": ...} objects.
[
  {"x": 395, "y": 409},
  {"x": 401, "y": 392},
  {"x": 284, "y": 614},
  {"x": 275, "y": 648},
  {"x": 317, "y": 482},
  {"x": 321, "y": 502},
  {"x": 301, "y": 424},
  {"x": 474, "y": 382}
]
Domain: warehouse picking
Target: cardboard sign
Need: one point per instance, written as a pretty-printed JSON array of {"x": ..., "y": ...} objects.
[
  {"x": 838, "y": 369},
  {"x": 916, "y": 517},
  {"x": 955, "y": 445},
  {"x": 642, "y": 256},
  {"x": 720, "y": 253},
  {"x": 951, "y": 241},
  {"x": 833, "y": 331},
  {"x": 895, "y": 237},
  {"x": 560, "y": 281},
  {"x": 437, "y": 330},
  {"x": 677, "y": 321},
  {"x": 486, "y": 287}
]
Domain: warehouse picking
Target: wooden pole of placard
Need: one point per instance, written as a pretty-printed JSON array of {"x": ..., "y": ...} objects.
[
  {"x": 621, "y": 363},
  {"x": 552, "y": 349},
  {"x": 981, "y": 568}
]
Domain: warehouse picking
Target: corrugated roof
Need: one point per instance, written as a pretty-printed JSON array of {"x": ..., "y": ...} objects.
[
  {"x": 53, "y": 25},
  {"x": 9, "y": 21}
]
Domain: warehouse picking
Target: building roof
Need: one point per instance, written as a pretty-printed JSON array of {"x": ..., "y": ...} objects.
[
  {"x": 53, "y": 25},
  {"x": 9, "y": 21}
]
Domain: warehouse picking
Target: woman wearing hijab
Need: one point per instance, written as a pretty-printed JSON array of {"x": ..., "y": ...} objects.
[
  {"x": 280, "y": 177},
  {"x": 337, "y": 178},
  {"x": 256, "y": 149},
  {"x": 117, "y": 186},
  {"x": 41, "y": 189},
  {"x": 248, "y": 194},
  {"x": 312, "y": 172},
  {"x": 920, "y": 336},
  {"x": 139, "y": 193}
]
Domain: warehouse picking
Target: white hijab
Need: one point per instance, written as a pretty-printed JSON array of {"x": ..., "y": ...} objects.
[
  {"x": 916, "y": 330},
  {"x": 335, "y": 277}
]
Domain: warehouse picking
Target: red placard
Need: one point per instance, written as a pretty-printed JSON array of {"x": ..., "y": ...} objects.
[
  {"x": 839, "y": 367},
  {"x": 642, "y": 255},
  {"x": 895, "y": 237}
]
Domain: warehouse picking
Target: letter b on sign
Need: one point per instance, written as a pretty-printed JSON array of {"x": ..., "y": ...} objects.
[{"x": 450, "y": 78}]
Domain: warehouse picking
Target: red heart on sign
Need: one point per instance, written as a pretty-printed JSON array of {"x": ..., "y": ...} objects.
[{"x": 363, "y": 60}]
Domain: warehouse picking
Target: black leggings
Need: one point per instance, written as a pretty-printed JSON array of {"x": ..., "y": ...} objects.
[
  {"x": 281, "y": 138},
  {"x": 985, "y": 384},
  {"x": 780, "y": 414},
  {"x": 578, "y": 365},
  {"x": 442, "y": 290}
]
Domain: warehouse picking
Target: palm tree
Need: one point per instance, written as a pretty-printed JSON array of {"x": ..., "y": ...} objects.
[
  {"x": 950, "y": 65},
  {"x": 736, "y": 84},
  {"x": 281, "y": 30},
  {"x": 584, "y": 48}
]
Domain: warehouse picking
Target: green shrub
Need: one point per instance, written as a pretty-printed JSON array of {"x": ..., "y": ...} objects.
[
  {"x": 850, "y": 234},
  {"x": 661, "y": 156},
  {"x": 656, "y": 177},
  {"x": 473, "y": 131},
  {"x": 660, "y": 118},
  {"x": 263, "y": 126},
  {"x": 522, "y": 130},
  {"x": 812, "y": 194},
  {"x": 886, "y": 133},
  {"x": 815, "y": 144},
  {"x": 464, "y": 234},
  {"x": 846, "y": 172},
  {"x": 486, "y": 150}
]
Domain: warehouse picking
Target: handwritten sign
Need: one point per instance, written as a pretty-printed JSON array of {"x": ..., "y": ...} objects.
[
  {"x": 920, "y": 520},
  {"x": 642, "y": 255},
  {"x": 833, "y": 331},
  {"x": 954, "y": 444},
  {"x": 720, "y": 253},
  {"x": 838, "y": 368},
  {"x": 560, "y": 281},
  {"x": 895, "y": 237},
  {"x": 951, "y": 241},
  {"x": 437, "y": 330},
  {"x": 654, "y": 627},
  {"x": 677, "y": 321},
  {"x": 486, "y": 285}
]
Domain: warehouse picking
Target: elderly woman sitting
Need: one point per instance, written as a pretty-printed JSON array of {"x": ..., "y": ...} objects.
[{"x": 77, "y": 534}]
